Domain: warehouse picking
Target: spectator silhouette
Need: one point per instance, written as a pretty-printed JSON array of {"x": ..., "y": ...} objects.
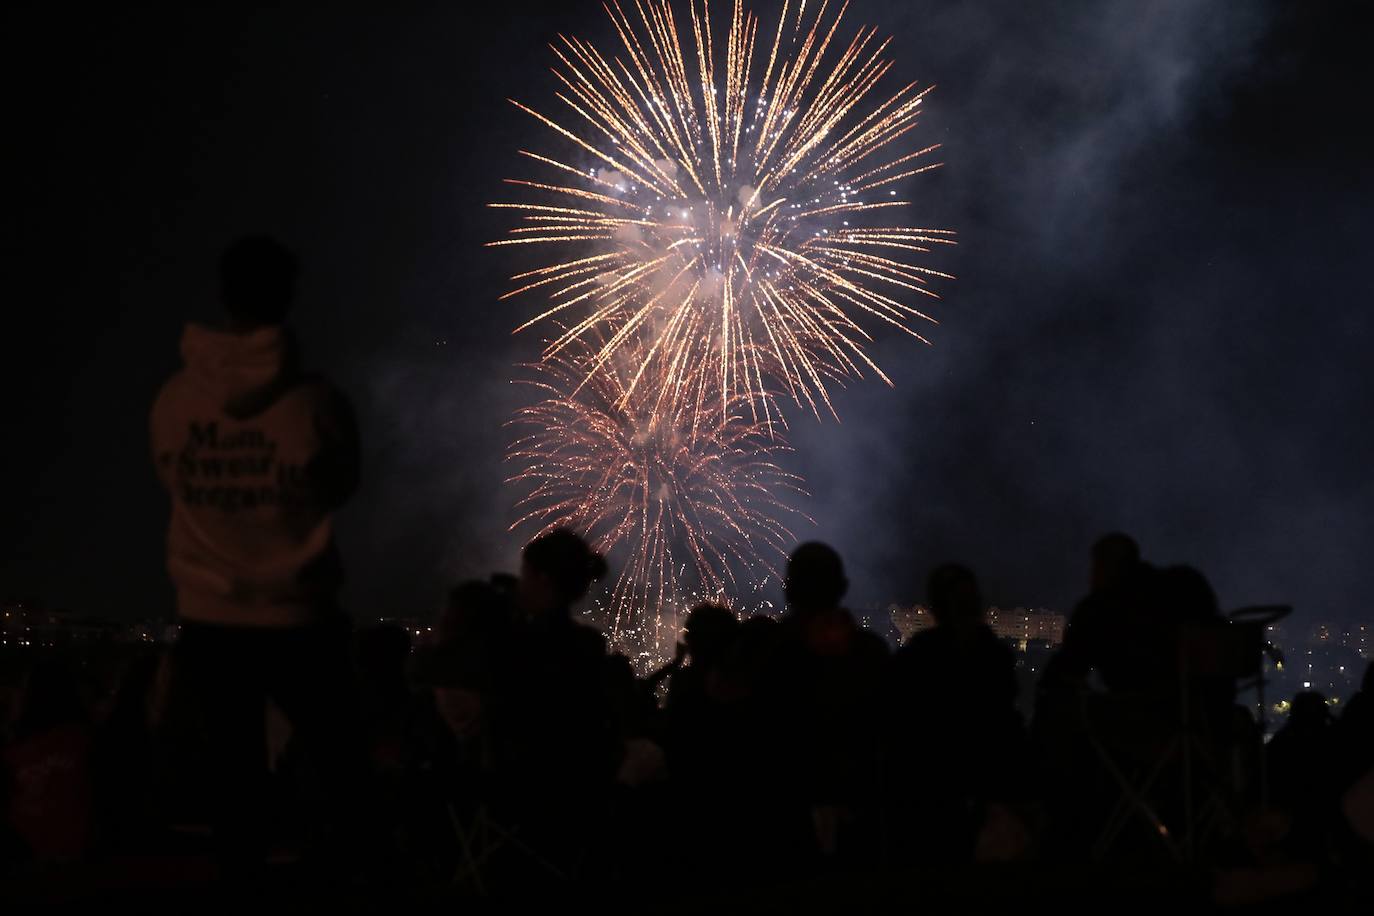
[
  {"x": 1304, "y": 772},
  {"x": 708, "y": 637},
  {"x": 1119, "y": 630},
  {"x": 1188, "y": 596},
  {"x": 1189, "y": 607},
  {"x": 1355, "y": 731},
  {"x": 473, "y": 613},
  {"x": 956, "y": 733},
  {"x": 830, "y": 678},
  {"x": 470, "y": 639},
  {"x": 256, "y": 456},
  {"x": 388, "y": 708},
  {"x": 742, "y": 814},
  {"x": 703, "y": 727},
  {"x": 1115, "y": 633}
]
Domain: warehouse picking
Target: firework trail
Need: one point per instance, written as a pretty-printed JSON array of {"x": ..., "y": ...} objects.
[
  {"x": 692, "y": 500},
  {"x": 727, "y": 212}
]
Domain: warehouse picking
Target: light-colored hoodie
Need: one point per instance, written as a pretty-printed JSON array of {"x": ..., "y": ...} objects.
[{"x": 256, "y": 457}]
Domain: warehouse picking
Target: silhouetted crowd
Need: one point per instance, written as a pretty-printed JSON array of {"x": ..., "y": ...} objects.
[{"x": 513, "y": 754}]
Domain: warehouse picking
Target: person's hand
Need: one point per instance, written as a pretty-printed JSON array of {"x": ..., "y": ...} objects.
[
  {"x": 1003, "y": 836},
  {"x": 641, "y": 763}
]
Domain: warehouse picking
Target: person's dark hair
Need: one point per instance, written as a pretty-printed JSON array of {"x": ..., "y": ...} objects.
[
  {"x": 1116, "y": 547},
  {"x": 1309, "y": 710},
  {"x": 474, "y": 607},
  {"x": 382, "y": 650},
  {"x": 711, "y": 630},
  {"x": 257, "y": 276},
  {"x": 952, "y": 593},
  {"x": 567, "y": 561},
  {"x": 815, "y": 577},
  {"x": 752, "y": 652},
  {"x": 1187, "y": 594},
  {"x": 1114, "y": 556}
]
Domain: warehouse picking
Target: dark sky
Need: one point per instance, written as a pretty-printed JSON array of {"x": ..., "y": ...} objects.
[{"x": 1161, "y": 323}]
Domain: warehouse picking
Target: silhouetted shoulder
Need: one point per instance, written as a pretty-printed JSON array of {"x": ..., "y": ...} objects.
[
  {"x": 920, "y": 644},
  {"x": 997, "y": 648},
  {"x": 871, "y": 646},
  {"x": 587, "y": 641}
]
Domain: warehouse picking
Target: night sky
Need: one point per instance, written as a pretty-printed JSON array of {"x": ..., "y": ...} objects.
[{"x": 1161, "y": 323}]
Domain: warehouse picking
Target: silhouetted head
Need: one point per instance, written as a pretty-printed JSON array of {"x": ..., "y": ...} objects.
[
  {"x": 952, "y": 593},
  {"x": 619, "y": 671},
  {"x": 505, "y": 585},
  {"x": 382, "y": 653},
  {"x": 753, "y": 649},
  {"x": 815, "y": 578},
  {"x": 1309, "y": 710},
  {"x": 473, "y": 607},
  {"x": 555, "y": 573},
  {"x": 1187, "y": 594},
  {"x": 257, "y": 277},
  {"x": 1115, "y": 557},
  {"x": 710, "y": 632}
]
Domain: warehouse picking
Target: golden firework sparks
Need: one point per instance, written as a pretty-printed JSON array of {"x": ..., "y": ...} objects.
[{"x": 723, "y": 209}]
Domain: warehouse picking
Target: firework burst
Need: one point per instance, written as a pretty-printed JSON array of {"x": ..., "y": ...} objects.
[
  {"x": 691, "y": 500},
  {"x": 727, "y": 212}
]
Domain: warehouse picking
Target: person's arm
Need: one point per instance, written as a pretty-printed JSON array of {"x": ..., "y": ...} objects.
[{"x": 657, "y": 677}]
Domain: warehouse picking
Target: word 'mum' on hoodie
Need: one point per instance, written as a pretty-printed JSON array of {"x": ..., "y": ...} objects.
[{"x": 256, "y": 457}]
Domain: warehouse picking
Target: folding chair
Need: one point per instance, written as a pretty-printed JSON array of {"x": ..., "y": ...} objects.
[
  {"x": 1125, "y": 743},
  {"x": 1217, "y": 654},
  {"x": 481, "y": 838},
  {"x": 1260, "y": 616}
]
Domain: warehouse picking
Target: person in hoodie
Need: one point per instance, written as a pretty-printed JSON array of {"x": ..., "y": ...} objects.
[
  {"x": 257, "y": 455},
  {"x": 957, "y": 735}
]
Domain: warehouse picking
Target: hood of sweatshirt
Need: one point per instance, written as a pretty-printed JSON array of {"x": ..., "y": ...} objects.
[{"x": 243, "y": 372}]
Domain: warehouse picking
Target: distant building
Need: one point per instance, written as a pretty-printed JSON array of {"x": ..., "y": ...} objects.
[
  {"x": 910, "y": 620},
  {"x": 1026, "y": 624},
  {"x": 1020, "y": 626},
  {"x": 1329, "y": 658},
  {"x": 29, "y": 626},
  {"x": 24, "y": 626}
]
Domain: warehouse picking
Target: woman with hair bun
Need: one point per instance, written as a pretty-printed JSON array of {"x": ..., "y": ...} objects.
[{"x": 556, "y": 571}]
